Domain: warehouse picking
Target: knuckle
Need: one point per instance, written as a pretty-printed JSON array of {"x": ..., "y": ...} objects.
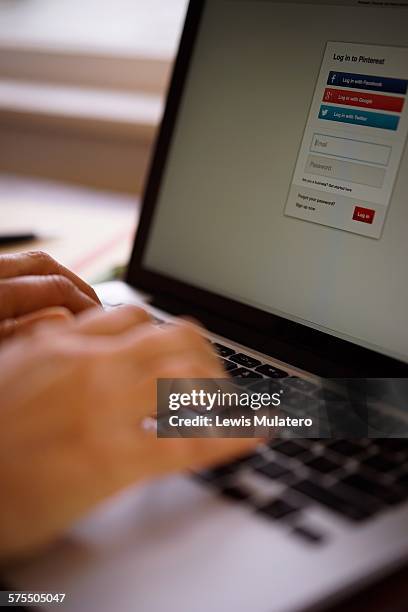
[
  {"x": 143, "y": 313},
  {"x": 136, "y": 312},
  {"x": 5, "y": 287},
  {"x": 60, "y": 312},
  {"x": 40, "y": 257},
  {"x": 7, "y": 328},
  {"x": 61, "y": 283},
  {"x": 188, "y": 335}
]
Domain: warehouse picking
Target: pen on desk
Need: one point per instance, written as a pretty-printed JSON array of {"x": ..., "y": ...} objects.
[{"x": 17, "y": 238}]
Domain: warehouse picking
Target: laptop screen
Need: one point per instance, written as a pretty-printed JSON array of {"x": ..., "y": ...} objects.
[{"x": 286, "y": 183}]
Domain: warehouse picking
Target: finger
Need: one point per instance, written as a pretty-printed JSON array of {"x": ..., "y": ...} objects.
[
  {"x": 37, "y": 263},
  {"x": 21, "y": 325},
  {"x": 193, "y": 321},
  {"x": 147, "y": 344},
  {"x": 197, "y": 453},
  {"x": 111, "y": 322},
  {"x": 151, "y": 456},
  {"x": 142, "y": 383},
  {"x": 27, "y": 294}
]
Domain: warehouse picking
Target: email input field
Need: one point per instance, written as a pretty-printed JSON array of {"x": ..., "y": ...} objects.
[{"x": 351, "y": 149}]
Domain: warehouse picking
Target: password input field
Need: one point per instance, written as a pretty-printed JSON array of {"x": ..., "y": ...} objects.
[
  {"x": 351, "y": 149},
  {"x": 346, "y": 171}
]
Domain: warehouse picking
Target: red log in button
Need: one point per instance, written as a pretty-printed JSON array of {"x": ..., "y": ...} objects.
[
  {"x": 365, "y": 215},
  {"x": 364, "y": 99}
]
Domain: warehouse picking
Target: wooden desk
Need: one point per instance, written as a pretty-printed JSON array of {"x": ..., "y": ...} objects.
[{"x": 88, "y": 231}]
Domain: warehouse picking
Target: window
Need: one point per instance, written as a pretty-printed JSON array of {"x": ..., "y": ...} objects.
[
  {"x": 88, "y": 70},
  {"x": 45, "y": 39}
]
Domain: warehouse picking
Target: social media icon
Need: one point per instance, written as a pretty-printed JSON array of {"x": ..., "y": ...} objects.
[{"x": 324, "y": 112}]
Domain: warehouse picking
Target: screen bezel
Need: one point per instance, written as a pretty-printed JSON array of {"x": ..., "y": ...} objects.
[{"x": 281, "y": 338}]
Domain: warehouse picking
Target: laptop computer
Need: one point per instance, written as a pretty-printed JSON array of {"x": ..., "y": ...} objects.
[{"x": 275, "y": 212}]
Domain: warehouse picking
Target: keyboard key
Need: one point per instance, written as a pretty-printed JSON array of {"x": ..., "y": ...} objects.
[
  {"x": 226, "y": 470},
  {"x": 305, "y": 457},
  {"x": 369, "y": 504},
  {"x": 289, "y": 448},
  {"x": 332, "y": 500},
  {"x": 245, "y": 360},
  {"x": 300, "y": 384},
  {"x": 329, "y": 396},
  {"x": 236, "y": 493},
  {"x": 346, "y": 448},
  {"x": 388, "y": 494},
  {"x": 393, "y": 445},
  {"x": 228, "y": 365},
  {"x": 271, "y": 371},
  {"x": 278, "y": 509},
  {"x": 295, "y": 399},
  {"x": 272, "y": 470},
  {"x": 266, "y": 385},
  {"x": 223, "y": 351},
  {"x": 323, "y": 465},
  {"x": 221, "y": 471},
  {"x": 246, "y": 461},
  {"x": 309, "y": 535},
  {"x": 244, "y": 373},
  {"x": 381, "y": 463},
  {"x": 403, "y": 481}
]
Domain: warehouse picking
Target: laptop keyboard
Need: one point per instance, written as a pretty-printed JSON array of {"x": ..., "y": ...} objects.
[{"x": 354, "y": 479}]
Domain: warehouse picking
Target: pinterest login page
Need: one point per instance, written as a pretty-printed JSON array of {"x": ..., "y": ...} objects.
[
  {"x": 353, "y": 140},
  {"x": 286, "y": 184}
]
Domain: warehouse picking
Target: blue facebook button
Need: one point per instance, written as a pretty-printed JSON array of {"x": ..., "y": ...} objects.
[
  {"x": 364, "y": 81},
  {"x": 357, "y": 117}
]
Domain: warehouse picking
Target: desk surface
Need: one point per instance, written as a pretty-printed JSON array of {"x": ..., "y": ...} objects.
[{"x": 86, "y": 230}]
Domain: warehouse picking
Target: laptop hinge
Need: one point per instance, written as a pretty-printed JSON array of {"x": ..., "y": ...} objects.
[{"x": 265, "y": 341}]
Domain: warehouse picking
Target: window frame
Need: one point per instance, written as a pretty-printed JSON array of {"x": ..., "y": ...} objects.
[{"x": 84, "y": 68}]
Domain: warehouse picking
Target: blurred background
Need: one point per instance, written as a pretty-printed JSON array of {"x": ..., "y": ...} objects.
[{"x": 82, "y": 84}]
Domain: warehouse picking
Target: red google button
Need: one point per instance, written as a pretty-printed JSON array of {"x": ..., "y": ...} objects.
[
  {"x": 364, "y": 99},
  {"x": 365, "y": 215}
]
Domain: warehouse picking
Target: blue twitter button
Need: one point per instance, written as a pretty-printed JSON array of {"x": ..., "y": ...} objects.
[{"x": 357, "y": 117}]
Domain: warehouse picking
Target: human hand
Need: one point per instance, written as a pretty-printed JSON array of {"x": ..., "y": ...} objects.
[
  {"x": 73, "y": 398},
  {"x": 34, "y": 287}
]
